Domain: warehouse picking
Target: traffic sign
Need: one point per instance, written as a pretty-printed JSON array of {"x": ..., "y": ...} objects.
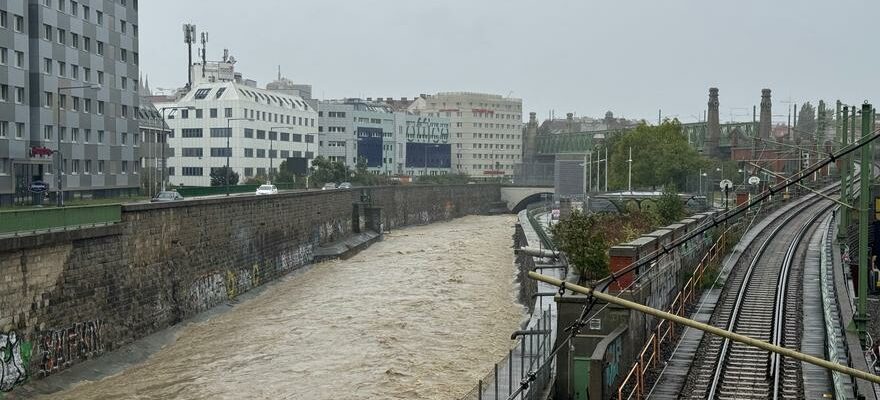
[
  {"x": 726, "y": 184},
  {"x": 38, "y": 187},
  {"x": 754, "y": 180}
]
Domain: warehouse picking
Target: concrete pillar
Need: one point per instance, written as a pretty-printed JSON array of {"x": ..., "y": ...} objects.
[
  {"x": 373, "y": 219},
  {"x": 766, "y": 115},
  {"x": 713, "y": 136}
]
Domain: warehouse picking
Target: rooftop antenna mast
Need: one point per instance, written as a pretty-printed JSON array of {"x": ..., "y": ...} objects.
[
  {"x": 204, "y": 51},
  {"x": 279, "y": 73},
  {"x": 189, "y": 36}
]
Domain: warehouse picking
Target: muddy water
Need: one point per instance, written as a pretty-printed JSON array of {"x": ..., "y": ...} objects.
[{"x": 422, "y": 315}]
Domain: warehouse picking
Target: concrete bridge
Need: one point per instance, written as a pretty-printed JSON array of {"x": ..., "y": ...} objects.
[{"x": 518, "y": 197}]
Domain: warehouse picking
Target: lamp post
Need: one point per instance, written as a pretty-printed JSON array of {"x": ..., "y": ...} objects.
[
  {"x": 229, "y": 149},
  {"x": 58, "y": 137},
  {"x": 308, "y": 162},
  {"x": 165, "y": 137}
]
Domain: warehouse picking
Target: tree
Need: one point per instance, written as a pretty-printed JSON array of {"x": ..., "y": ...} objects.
[
  {"x": 806, "y": 121},
  {"x": 670, "y": 208},
  {"x": 661, "y": 155},
  {"x": 445, "y": 179},
  {"x": 324, "y": 171},
  {"x": 218, "y": 176},
  {"x": 284, "y": 175},
  {"x": 586, "y": 249}
]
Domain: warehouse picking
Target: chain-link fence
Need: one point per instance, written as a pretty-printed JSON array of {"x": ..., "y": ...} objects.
[{"x": 527, "y": 356}]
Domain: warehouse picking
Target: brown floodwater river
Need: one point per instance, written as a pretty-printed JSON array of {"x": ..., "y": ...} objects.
[{"x": 423, "y": 314}]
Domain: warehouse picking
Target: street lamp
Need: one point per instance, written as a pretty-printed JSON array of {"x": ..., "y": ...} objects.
[
  {"x": 229, "y": 149},
  {"x": 165, "y": 137},
  {"x": 58, "y": 137}
]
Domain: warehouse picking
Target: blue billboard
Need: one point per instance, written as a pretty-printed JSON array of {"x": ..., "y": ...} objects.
[
  {"x": 428, "y": 155},
  {"x": 369, "y": 145}
]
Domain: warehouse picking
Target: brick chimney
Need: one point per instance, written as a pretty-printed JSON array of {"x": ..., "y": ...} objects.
[
  {"x": 765, "y": 120},
  {"x": 713, "y": 136}
]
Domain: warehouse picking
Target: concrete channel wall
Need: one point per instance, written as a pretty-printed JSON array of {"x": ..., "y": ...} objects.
[{"x": 69, "y": 296}]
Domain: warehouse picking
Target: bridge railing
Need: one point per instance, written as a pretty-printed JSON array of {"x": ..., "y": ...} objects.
[
  {"x": 634, "y": 384},
  {"x": 34, "y": 220}
]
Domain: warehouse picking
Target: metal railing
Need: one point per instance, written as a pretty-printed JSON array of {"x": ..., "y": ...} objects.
[
  {"x": 34, "y": 220},
  {"x": 634, "y": 384},
  {"x": 546, "y": 239},
  {"x": 835, "y": 342},
  {"x": 528, "y": 354},
  {"x": 195, "y": 191}
]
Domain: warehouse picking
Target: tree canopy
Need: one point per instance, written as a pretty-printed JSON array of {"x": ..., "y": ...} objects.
[
  {"x": 806, "y": 121},
  {"x": 218, "y": 176},
  {"x": 661, "y": 156}
]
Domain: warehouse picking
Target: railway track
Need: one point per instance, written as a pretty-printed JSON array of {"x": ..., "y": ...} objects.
[{"x": 755, "y": 302}]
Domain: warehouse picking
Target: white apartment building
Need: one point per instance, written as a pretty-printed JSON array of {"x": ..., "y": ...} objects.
[
  {"x": 266, "y": 128},
  {"x": 485, "y": 130}
]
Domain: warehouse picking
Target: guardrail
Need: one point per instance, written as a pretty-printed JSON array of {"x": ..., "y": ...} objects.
[
  {"x": 665, "y": 330},
  {"x": 539, "y": 229},
  {"x": 835, "y": 343},
  {"x": 195, "y": 191},
  {"x": 34, "y": 220}
]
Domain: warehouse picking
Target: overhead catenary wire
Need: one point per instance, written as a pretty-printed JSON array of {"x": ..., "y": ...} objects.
[{"x": 665, "y": 249}]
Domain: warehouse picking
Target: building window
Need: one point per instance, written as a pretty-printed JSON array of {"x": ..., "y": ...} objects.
[
  {"x": 62, "y": 36},
  {"x": 47, "y": 66},
  {"x": 285, "y": 136},
  {"x": 191, "y": 132},
  {"x": 201, "y": 94},
  {"x": 297, "y": 138},
  {"x": 227, "y": 112},
  {"x": 4, "y": 92},
  {"x": 273, "y": 135},
  {"x": 261, "y": 153},
  {"x": 100, "y": 136},
  {"x": 100, "y": 77},
  {"x": 4, "y": 55},
  {"x": 74, "y": 71},
  {"x": 100, "y": 48},
  {"x": 261, "y": 134},
  {"x": 191, "y": 171},
  {"x": 220, "y": 92},
  {"x": 248, "y": 153},
  {"x": 19, "y": 130},
  {"x": 198, "y": 113},
  {"x": 220, "y": 132},
  {"x": 19, "y": 23},
  {"x": 249, "y": 133},
  {"x": 4, "y": 128},
  {"x": 75, "y": 169},
  {"x": 124, "y": 167},
  {"x": 47, "y": 32},
  {"x": 100, "y": 107},
  {"x": 62, "y": 69},
  {"x": 170, "y": 171},
  {"x": 191, "y": 152},
  {"x": 248, "y": 171},
  {"x": 100, "y": 166},
  {"x": 184, "y": 114},
  {"x": 212, "y": 113},
  {"x": 47, "y": 132},
  {"x": 221, "y": 152},
  {"x": 19, "y": 59},
  {"x": 47, "y": 99},
  {"x": 124, "y": 82},
  {"x": 74, "y": 135},
  {"x": 124, "y": 138},
  {"x": 87, "y": 44},
  {"x": 87, "y": 105},
  {"x": 100, "y": 17},
  {"x": 88, "y": 137},
  {"x": 88, "y": 169}
]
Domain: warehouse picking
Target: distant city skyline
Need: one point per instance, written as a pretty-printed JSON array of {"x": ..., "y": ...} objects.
[{"x": 633, "y": 58}]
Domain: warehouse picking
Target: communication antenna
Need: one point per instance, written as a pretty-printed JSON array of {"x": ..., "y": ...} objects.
[
  {"x": 189, "y": 36},
  {"x": 204, "y": 51},
  {"x": 225, "y": 55}
]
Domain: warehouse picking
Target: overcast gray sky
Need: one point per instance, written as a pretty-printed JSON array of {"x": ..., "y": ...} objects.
[{"x": 630, "y": 56}]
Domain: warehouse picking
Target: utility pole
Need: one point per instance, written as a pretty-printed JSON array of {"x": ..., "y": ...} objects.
[
  {"x": 630, "y": 179},
  {"x": 606, "y": 169},
  {"x": 844, "y": 174},
  {"x": 861, "y": 317}
]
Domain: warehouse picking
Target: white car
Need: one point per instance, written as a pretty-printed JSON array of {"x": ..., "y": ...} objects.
[{"x": 267, "y": 189}]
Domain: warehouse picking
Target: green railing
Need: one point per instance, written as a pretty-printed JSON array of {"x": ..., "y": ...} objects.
[
  {"x": 538, "y": 227},
  {"x": 196, "y": 191},
  {"x": 45, "y": 219}
]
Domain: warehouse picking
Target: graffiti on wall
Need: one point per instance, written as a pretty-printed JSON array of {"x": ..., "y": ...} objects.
[
  {"x": 296, "y": 257},
  {"x": 58, "y": 349},
  {"x": 612, "y": 362},
  {"x": 207, "y": 292},
  {"x": 16, "y": 353},
  {"x": 423, "y": 130}
]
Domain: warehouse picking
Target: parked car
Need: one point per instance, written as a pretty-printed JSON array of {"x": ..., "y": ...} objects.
[
  {"x": 329, "y": 186},
  {"x": 344, "y": 185},
  {"x": 166, "y": 196},
  {"x": 267, "y": 189}
]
